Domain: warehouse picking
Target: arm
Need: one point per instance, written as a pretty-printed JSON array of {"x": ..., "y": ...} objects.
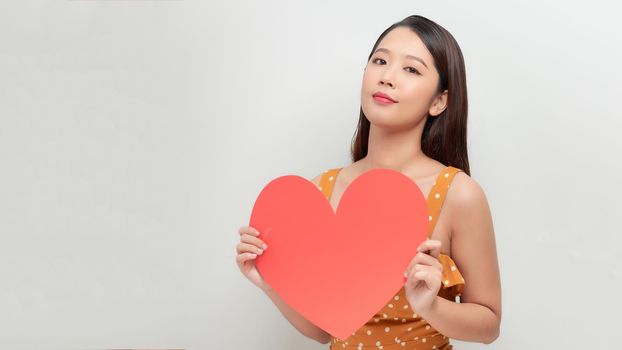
[
  {"x": 305, "y": 327},
  {"x": 477, "y": 317}
]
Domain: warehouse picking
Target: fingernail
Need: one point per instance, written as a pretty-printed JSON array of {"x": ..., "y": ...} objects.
[{"x": 265, "y": 246}]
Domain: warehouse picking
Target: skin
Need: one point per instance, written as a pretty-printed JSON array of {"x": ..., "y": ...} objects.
[{"x": 464, "y": 230}]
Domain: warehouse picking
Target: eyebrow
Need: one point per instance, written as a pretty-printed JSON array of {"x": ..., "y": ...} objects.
[{"x": 407, "y": 56}]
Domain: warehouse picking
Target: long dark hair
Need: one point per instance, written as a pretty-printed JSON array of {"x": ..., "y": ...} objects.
[{"x": 444, "y": 137}]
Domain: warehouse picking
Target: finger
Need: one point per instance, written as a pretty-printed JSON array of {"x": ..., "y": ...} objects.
[
  {"x": 418, "y": 267},
  {"x": 248, "y": 230},
  {"x": 414, "y": 261},
  {"x": 431, "y": 246},
  {"x": 248, "y": 248},
  {"x": 428, "y": 268},
  {"x": 415, "y": 276},
  {"x": 421, "y": 276},
  {"x": 426, "y": 259},
  {"x": 411, "y": 264},
  {"x": 419, "y": 273},
  {"x": 245, "y": 257},
  {"x": 428, "y": 277},
  {"x": 253, "y": 240}
]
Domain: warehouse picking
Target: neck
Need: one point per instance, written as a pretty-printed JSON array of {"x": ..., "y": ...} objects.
[{"x": 396, "y": 150}]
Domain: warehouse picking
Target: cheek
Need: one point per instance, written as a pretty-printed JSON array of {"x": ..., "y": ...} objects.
[
  {"x": 367, "y": 79},
  {"x": 367, "y": 85},
  {"x": 413, "y": 105},
  {"x": 416, "y": 95}
]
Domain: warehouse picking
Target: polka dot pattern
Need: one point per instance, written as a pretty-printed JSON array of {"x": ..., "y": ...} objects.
[{"x": 395, "y": 326}]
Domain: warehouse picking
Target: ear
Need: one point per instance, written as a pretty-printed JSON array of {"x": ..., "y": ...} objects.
[{"x": 439, "y": 104}]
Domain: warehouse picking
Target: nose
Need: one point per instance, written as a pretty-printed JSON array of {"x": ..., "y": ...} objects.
[{"x": 386, "y": 78}]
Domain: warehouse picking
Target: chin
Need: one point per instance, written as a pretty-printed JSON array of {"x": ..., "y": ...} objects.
[
  {"x": 382, "y": 121},
  {"x": 387, "y": 121},
  {"x": 378, "y": 114}
]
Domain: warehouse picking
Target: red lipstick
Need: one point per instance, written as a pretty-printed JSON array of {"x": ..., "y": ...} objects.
[{"x": 383, "y": 98}]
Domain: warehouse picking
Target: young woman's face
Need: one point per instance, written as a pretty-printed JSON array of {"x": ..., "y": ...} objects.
[{"x": 411, "y": 82}]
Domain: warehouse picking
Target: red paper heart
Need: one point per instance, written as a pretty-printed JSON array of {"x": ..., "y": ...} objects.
[{"x": 338, "y": 269}]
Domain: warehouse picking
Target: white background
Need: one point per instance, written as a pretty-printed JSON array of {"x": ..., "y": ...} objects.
[{"x": 135, "y": 136}]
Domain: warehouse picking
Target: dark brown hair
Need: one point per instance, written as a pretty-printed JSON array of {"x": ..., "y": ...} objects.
[{"x": 444, "y": 137}]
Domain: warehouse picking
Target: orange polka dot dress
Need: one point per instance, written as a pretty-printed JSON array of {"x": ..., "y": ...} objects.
[{"x": 396, "y": 326}]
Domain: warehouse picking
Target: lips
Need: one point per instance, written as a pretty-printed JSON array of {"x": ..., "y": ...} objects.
[{"x": 382, "y": 96}]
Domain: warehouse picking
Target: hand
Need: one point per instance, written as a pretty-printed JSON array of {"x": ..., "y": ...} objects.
[
  {"x": 423, "y": 277},
  {"x": 248, "y": 249}
]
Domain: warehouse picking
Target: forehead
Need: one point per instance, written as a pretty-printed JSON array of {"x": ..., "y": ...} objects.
[{"x": 403, "y": 41}]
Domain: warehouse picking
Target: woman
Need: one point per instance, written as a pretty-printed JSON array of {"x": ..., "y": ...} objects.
[{"x": 413, "y": 119}]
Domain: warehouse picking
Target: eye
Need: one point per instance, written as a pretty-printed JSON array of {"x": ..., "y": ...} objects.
[
  {"x": 413, "y": 70},
  {"x": 410, "y": 69}
]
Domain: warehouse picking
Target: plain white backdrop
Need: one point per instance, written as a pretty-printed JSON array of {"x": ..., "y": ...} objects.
[{"x": 135, "y": 136}]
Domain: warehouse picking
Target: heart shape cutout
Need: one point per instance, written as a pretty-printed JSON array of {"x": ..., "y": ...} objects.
[{"x": 337, "y": 269}]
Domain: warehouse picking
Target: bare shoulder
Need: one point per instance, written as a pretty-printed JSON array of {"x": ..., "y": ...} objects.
[
  {"x": 466, "y": 198},
  {"x": 464, "y": 192}
]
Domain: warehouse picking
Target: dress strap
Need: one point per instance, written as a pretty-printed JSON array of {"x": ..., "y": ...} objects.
[
  {"x": 437, "y": 195},
  {"x": 327, "y": 181}
]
